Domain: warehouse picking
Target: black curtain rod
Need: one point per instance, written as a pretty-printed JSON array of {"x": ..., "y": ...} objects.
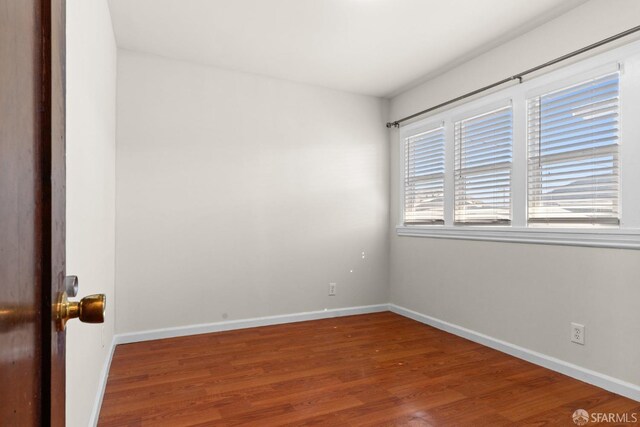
[{"x": 519, "y": 75}]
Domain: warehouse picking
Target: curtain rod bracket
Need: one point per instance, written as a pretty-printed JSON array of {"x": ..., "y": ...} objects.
[{"x": 393, "y": 125}]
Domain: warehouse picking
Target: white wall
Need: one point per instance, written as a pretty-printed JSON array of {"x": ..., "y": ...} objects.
[
  {"x": 91, "y": 91},
  {"x": 242, "y": 196},
  {"x": 521, "y": 293}
]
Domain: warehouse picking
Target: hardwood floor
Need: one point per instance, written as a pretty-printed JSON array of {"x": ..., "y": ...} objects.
[{"x": 375, "y": 370}]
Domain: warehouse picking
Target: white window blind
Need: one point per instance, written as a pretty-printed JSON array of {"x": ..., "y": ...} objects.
[
  {"x": 483, "y": 168},
  {"x": 573, "y": 154},
  {"x": 424, "y": 178}
]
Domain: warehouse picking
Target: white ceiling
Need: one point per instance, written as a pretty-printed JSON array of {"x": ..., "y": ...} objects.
[{"x": 373, "y": 47}]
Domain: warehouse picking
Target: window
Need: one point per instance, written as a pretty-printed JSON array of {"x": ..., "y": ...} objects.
[
  {"x": 424, "y": 178},
  {"x": 573, "y": 154},
  {"x": 483, "y": 168},
  {"x": 553, "y": 159}
]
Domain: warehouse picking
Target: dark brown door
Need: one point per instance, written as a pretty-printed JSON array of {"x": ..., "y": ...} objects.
[{"x": 32, "y": 216}]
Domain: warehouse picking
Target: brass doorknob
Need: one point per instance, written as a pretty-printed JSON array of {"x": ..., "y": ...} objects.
[{"x": 89, "y": 309}]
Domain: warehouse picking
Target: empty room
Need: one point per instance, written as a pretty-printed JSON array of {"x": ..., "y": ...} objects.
[{"x": 319, "y": 212}]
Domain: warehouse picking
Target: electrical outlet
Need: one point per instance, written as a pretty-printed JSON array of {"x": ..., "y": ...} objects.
[
  {"x": 577, "y": 333},
  {"x": 332, "y": 289}
]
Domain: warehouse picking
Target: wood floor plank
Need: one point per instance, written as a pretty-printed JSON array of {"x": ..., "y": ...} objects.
[{"x": 377, "y": 369}]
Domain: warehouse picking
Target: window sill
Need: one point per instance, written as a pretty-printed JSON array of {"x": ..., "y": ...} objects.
[{"x": 603, "y": 238}]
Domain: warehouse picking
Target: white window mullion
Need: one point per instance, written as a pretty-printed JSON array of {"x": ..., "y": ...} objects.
[
  {"x": 629, "y": 146},
  {"x": 519, "y": 177},
  {"x": 449, "y": 178}
]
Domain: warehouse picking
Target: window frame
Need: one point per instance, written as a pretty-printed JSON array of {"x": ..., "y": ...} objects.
[
  {"x": 626, "y": 59},
  {"x": 566, "y": 83},
  {"x": 457, "y": 168},
  {"x": 421, "y": 129}
]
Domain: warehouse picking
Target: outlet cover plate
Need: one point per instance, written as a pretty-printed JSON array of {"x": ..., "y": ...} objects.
[
  {"x": 577, "y": 333},
  {"x": 332, "y": 289}
]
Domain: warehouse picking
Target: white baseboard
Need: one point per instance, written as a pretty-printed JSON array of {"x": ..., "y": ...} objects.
[
  {"x": 102, "y": 384},
  {"x": 598, "y": 379},
  {"x": 606, "y": 382},
  {"x": 217, "y": 327},
  {"x": 229, "y": 325}
]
